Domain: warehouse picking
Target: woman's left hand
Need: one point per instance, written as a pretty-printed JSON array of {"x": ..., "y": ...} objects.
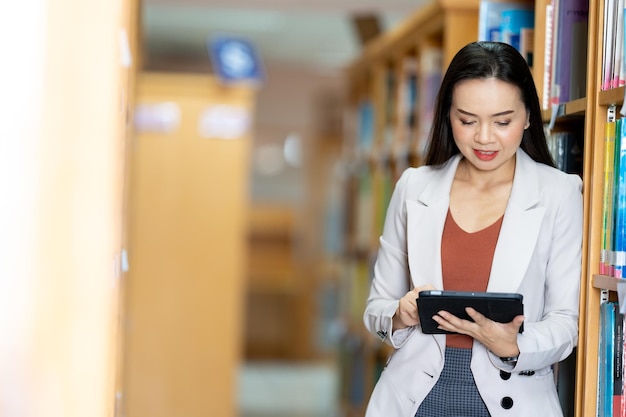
[{"x": 500, "y": 338}]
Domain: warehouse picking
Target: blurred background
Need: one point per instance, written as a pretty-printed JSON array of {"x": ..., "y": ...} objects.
[
  {"x": 174, "y": 240},
  {"x": 302, "y": 345}
]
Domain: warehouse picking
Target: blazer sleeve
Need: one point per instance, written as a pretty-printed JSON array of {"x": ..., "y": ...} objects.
[
  {"x": 552, "y": 338},
  {"x": 391, "y": 278}
]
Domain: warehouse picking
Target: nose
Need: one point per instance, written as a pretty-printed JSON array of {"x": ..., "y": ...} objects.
[{"x": 483, "y": 133}]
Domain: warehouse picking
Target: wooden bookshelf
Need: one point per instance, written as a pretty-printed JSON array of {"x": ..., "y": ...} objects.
[{"x": 431, "y": 36}]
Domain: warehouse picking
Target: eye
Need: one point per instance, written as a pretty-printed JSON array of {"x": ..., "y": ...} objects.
[
  {"x": 503, "y": 124},
  {"x": 466, "y": 122}
]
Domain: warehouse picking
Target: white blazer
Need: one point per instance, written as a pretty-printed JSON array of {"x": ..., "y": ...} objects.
[{"x": 538, "y": 254}]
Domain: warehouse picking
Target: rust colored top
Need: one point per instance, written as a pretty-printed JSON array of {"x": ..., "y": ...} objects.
[{"x": 466, "y": 260}]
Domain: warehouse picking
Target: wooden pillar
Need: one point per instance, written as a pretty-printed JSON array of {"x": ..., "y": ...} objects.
[
  {"x": 187, "y": 247},
  {"x": 63, "y": 114}
]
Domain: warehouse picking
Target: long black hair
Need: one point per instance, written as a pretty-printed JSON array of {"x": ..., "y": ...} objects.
[{"x": 483, "y": 60}]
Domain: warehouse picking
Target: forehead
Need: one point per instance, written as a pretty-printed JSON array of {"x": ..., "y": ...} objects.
[{"x": 486, "y": 94}]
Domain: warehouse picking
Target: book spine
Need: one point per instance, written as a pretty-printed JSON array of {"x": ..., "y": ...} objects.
[
  {"x": 620, "y": 192},
  {"x": 571, "y": 29},
  {"x": 609, "y": 44},
  {"x": 607, "y": 211},
  {"x": 603, "y": 343},
  {"x": 618, "y": 79},
  {"x": 618, "y": 351},
  {"x": 547, "y": 65},
  {"x": 608, "y": 354},
  {"x": 430, "y": 75},
  {"x": 622, "y": 58}
]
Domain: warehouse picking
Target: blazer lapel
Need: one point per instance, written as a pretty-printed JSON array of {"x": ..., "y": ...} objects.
[
  {"x": 426, "y": 215},
  {"x": 520, "y": 228}
]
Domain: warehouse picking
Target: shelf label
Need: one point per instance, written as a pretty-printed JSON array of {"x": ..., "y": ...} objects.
[
  {"x": 235, "y": 60},
  {"x": 621, "y": 296},
  {"x": 224, "y": 122}
]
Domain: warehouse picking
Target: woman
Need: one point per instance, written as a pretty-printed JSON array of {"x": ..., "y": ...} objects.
[{"x": 487, "y": 212}]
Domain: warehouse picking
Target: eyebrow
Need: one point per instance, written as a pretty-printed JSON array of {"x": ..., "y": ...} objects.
[{"x": 503, "y": 113}]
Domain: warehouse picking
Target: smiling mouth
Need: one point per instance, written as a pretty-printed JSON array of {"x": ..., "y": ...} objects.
[{"x": 485, "y": 155}]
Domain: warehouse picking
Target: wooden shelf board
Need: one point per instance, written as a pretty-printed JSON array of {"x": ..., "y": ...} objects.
[
  {"x": 605, "y": 282},
  {"x": 610, "y": 97},
  {"x": 574, "y": 108}
]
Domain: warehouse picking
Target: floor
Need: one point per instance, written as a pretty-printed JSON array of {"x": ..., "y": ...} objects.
[{"x": 288, "y": 390}]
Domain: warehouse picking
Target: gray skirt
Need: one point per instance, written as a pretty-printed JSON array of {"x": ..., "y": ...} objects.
[{"x": 455, "y": 393}]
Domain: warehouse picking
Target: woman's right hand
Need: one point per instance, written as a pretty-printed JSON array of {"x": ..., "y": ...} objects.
[{"x": 406, "y": 314}]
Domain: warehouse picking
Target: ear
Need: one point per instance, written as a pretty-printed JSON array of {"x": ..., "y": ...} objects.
[{"x": 527, "y": 125}]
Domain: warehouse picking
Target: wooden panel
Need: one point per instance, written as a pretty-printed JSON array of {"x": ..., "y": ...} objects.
[
  {"x": 62, "y": 197},
  {"x": 587, "y": 364},
  {"x": 187, "y": 235},
  {"x": 271, "y": 239}
]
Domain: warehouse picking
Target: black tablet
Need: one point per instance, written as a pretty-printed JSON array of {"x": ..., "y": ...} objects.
[{"x": 500, "y": 307}]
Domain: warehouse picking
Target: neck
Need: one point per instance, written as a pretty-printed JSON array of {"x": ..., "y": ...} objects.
[{"x": 486, "y": 179}]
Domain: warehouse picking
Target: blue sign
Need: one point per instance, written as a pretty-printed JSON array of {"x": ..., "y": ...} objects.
[{"x": 235, "y": 60}]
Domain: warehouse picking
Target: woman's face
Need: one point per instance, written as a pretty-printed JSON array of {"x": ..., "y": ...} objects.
[{"x": 488, "y": 119}]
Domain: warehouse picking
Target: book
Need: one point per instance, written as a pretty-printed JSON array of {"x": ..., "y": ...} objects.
[
  {"x": 391, "y": 102},
  {"x": 615, "y": 195},
  {"x": 618, "y": 366},
  {"x": 365, "y": 126},
  {"x": 566, "y": 148},
  {"x": 513, "y": 22},
  {"x": 607, "y": 197},
  {"x": 364, "y": 209},
  {"x": 547, "y": 64},
  {"x": 430, "y": 76},
  {"x": 608, "y": 38},
  {"x": 526, "y": 44},
  {"x": 601, "y": 360},
  {"x": 406, "y": 109},
  {"x": 569, "y": 51},
  {"x": 606, "y": 359},
  {"x": 618, "y": 51},
  {"x": 490, "y": 18},
  {"x": 619, "y": 226},
  {"x": 621, "y": 54}
]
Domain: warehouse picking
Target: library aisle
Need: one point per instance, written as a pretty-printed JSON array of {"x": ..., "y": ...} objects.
[{"x": 279, "y": 389}]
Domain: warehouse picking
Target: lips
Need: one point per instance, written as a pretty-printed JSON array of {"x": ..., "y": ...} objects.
[{"x": 485, "y": 155}]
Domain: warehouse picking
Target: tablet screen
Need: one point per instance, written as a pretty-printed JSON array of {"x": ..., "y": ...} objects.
[{"x": 500, "y": 307}]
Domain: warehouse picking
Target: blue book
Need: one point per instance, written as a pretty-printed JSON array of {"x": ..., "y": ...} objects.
[
  {"x": 365, "y": 134},
  {"x": 605, "y": 359},
  {"x": 620, "y": 212},
  {"x": 513, "y": 21},
  {"x": 490, "y": 20},
  {"x": 601, "y": 360}
]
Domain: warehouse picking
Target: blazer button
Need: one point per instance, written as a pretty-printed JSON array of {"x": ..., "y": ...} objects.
[
  {"x": 505, "y": 375},
  {"x": 506, "y": 403}
]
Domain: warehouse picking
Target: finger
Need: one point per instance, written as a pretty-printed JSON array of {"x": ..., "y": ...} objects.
[
  {"x": 518, "y": 321},
  {"x": 475, "y": 315},
  {"x": 449, "y": 319},
  {"x": 451, "y": 323}
]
